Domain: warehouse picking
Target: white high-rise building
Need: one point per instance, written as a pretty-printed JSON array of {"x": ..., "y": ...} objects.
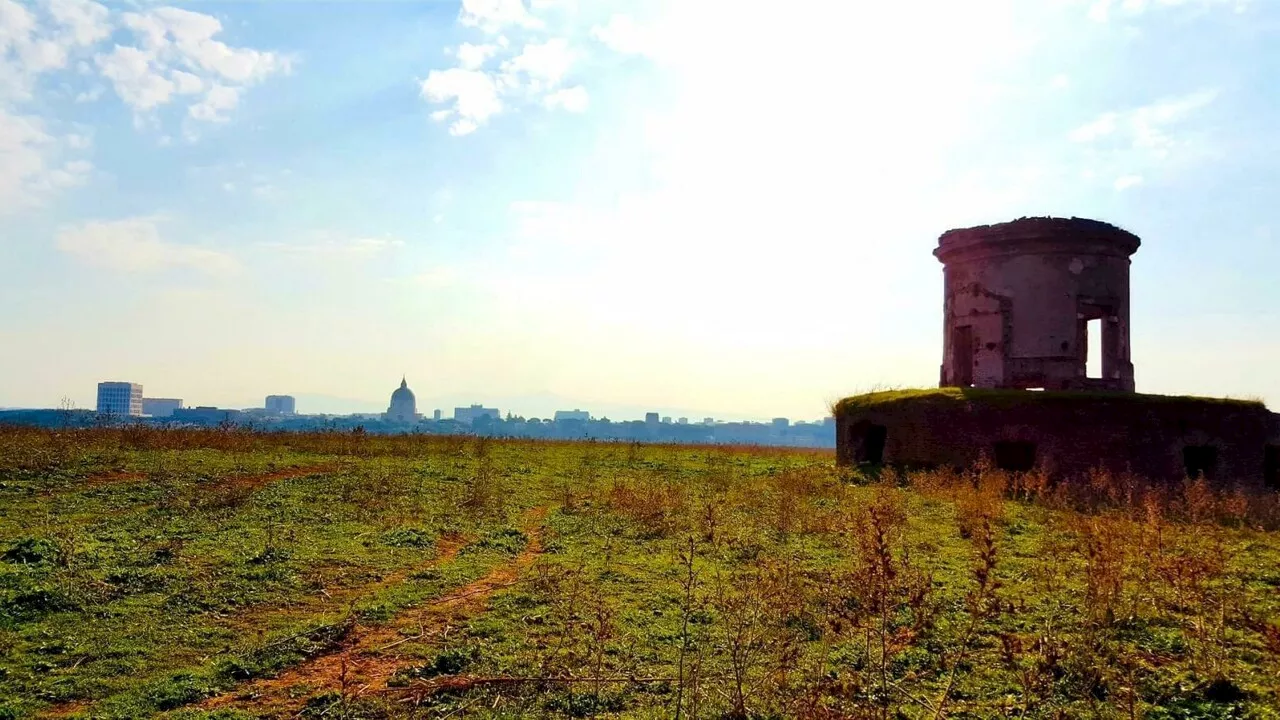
[
  {"x": 122, "y": 399},
  {"x": 280, "y": 404}
]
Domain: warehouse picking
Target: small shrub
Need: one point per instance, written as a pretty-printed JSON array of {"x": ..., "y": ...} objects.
[
  {"x": 408, "y": 538},
  {"x": 34, "y": 603},
  {"x": 320, "y": 705},
  {"x": 32, "y": 551},
  {"x": 507, "y": 540},
  {"x": 177, "y": 691},
  {"x": 449, "y": 662},
  {"x": 580, "y": 704},
  {"x": 270, "y": 555},
  {"x": 133, "y": 581}
]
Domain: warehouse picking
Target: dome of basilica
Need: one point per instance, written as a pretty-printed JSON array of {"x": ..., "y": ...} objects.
[
  {"x": 402, "y": 393},
  {"x": 404, "y": 406}
]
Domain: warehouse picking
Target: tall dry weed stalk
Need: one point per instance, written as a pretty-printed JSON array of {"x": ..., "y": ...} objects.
[
  {"x": 982, "y": 605},
  {"x": 753, "y": 636},
  {"x": 483, "y": 494},
  {"x": 655, "y": 506}
]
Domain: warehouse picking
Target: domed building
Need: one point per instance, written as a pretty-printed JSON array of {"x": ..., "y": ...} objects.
[{"x": 404, "y": 406}]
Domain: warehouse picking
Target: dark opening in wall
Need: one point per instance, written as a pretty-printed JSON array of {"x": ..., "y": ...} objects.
[
  {"x": 1271, "y": 468},
  {"x": 868, "y": 443},
  {"x": 1015, "y": 455},
  {"x": 962, "y": 356},
  {"x": 1200, "y": 460}
]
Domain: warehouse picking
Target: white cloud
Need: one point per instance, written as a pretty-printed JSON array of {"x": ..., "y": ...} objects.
[
  {"x": 463, "y": 126},
  {"x": 473, "y": 57},
  {"x": 543, "y": 64},
  {"x": 622, "y": 34},
  {"x": 1152, "y": 125},
  {"x": 216, "y": 104},
  {"x": 473, "y": 93},
  {"x": 32, "y": 44},
  {"x": 185, "y": 83},
  {"x": 795, "y": 138},
  {"x": 574, "y": 99},
  {"x": 532, "y": 75},
  {"x": 493, "y": 16},
  {"x": 177, "y": 54},
  {"x": 174, "y": 54},
  {"x": 33, "y": 163},
  {"x": 136, "y": 78},
  {"x": 135, "y": 245},
  {"x": 1148, "y": 134},
  {"x": 85, "y": 22},
  {"x": 90, "y": 95},
  {"x": 186, "y": 37}
]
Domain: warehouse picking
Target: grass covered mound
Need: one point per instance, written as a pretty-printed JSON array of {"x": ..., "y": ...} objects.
[
  {"x": 222, "y": 574},
  {"x": 1019, "y": 398}
]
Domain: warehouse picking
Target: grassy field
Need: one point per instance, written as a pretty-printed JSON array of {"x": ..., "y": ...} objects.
[{"x": 224, "y": 574}]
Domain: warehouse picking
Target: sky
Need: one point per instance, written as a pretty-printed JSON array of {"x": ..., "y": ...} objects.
[{"x": 700, "y": 207}]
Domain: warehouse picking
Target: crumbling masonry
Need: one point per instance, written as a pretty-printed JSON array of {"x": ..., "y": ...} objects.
[{"x": 1018, "y": 301}]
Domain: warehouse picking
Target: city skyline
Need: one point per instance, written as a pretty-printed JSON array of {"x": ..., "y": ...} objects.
[
  {"x": 446, "y": 405},
  {"x": 621, "y": 205}
]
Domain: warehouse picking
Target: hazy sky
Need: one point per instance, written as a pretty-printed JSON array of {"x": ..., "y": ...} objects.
[{"x": 707, "y": 204}]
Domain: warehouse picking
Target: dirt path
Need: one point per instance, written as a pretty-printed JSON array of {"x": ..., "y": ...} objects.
[
  {"x": 249, "y": 621},
  {"x": 247, "y": 484},
  {"x": 371, "y": 655}
]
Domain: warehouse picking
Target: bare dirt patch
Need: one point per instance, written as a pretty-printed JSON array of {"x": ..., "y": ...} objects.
[
  {"x": 250, "y": 621},
  {"x": 371, "y": 655}
]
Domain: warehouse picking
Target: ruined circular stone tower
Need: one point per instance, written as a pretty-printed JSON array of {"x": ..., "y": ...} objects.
[{"x": 1019, "y": 297}]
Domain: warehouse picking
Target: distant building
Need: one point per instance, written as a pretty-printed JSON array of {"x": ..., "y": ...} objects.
[
  {"x": 281, "y": 404},
  {"x": 651, "y": 418},
  {"x": 574, "y": 414},
  {"x": 708, "y": 421},
  {"x": 469, "y": 415},
  {"x": 666, "y": 419},
  {"x": 160, "y": 407},
  {"x": 682, "y": 421},
  {"x": 780, "y": 423},
  {"x": 123, "y": 399},
  {"x": 436, "y": 415},
  {"x": 404, "y": 406},
  {"x": 206, "y": 415}
]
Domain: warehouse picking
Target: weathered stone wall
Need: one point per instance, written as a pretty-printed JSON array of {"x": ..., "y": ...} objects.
[
  {"x": 1071, "y": 435},
  {"x": 1023, "y": 289}
]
